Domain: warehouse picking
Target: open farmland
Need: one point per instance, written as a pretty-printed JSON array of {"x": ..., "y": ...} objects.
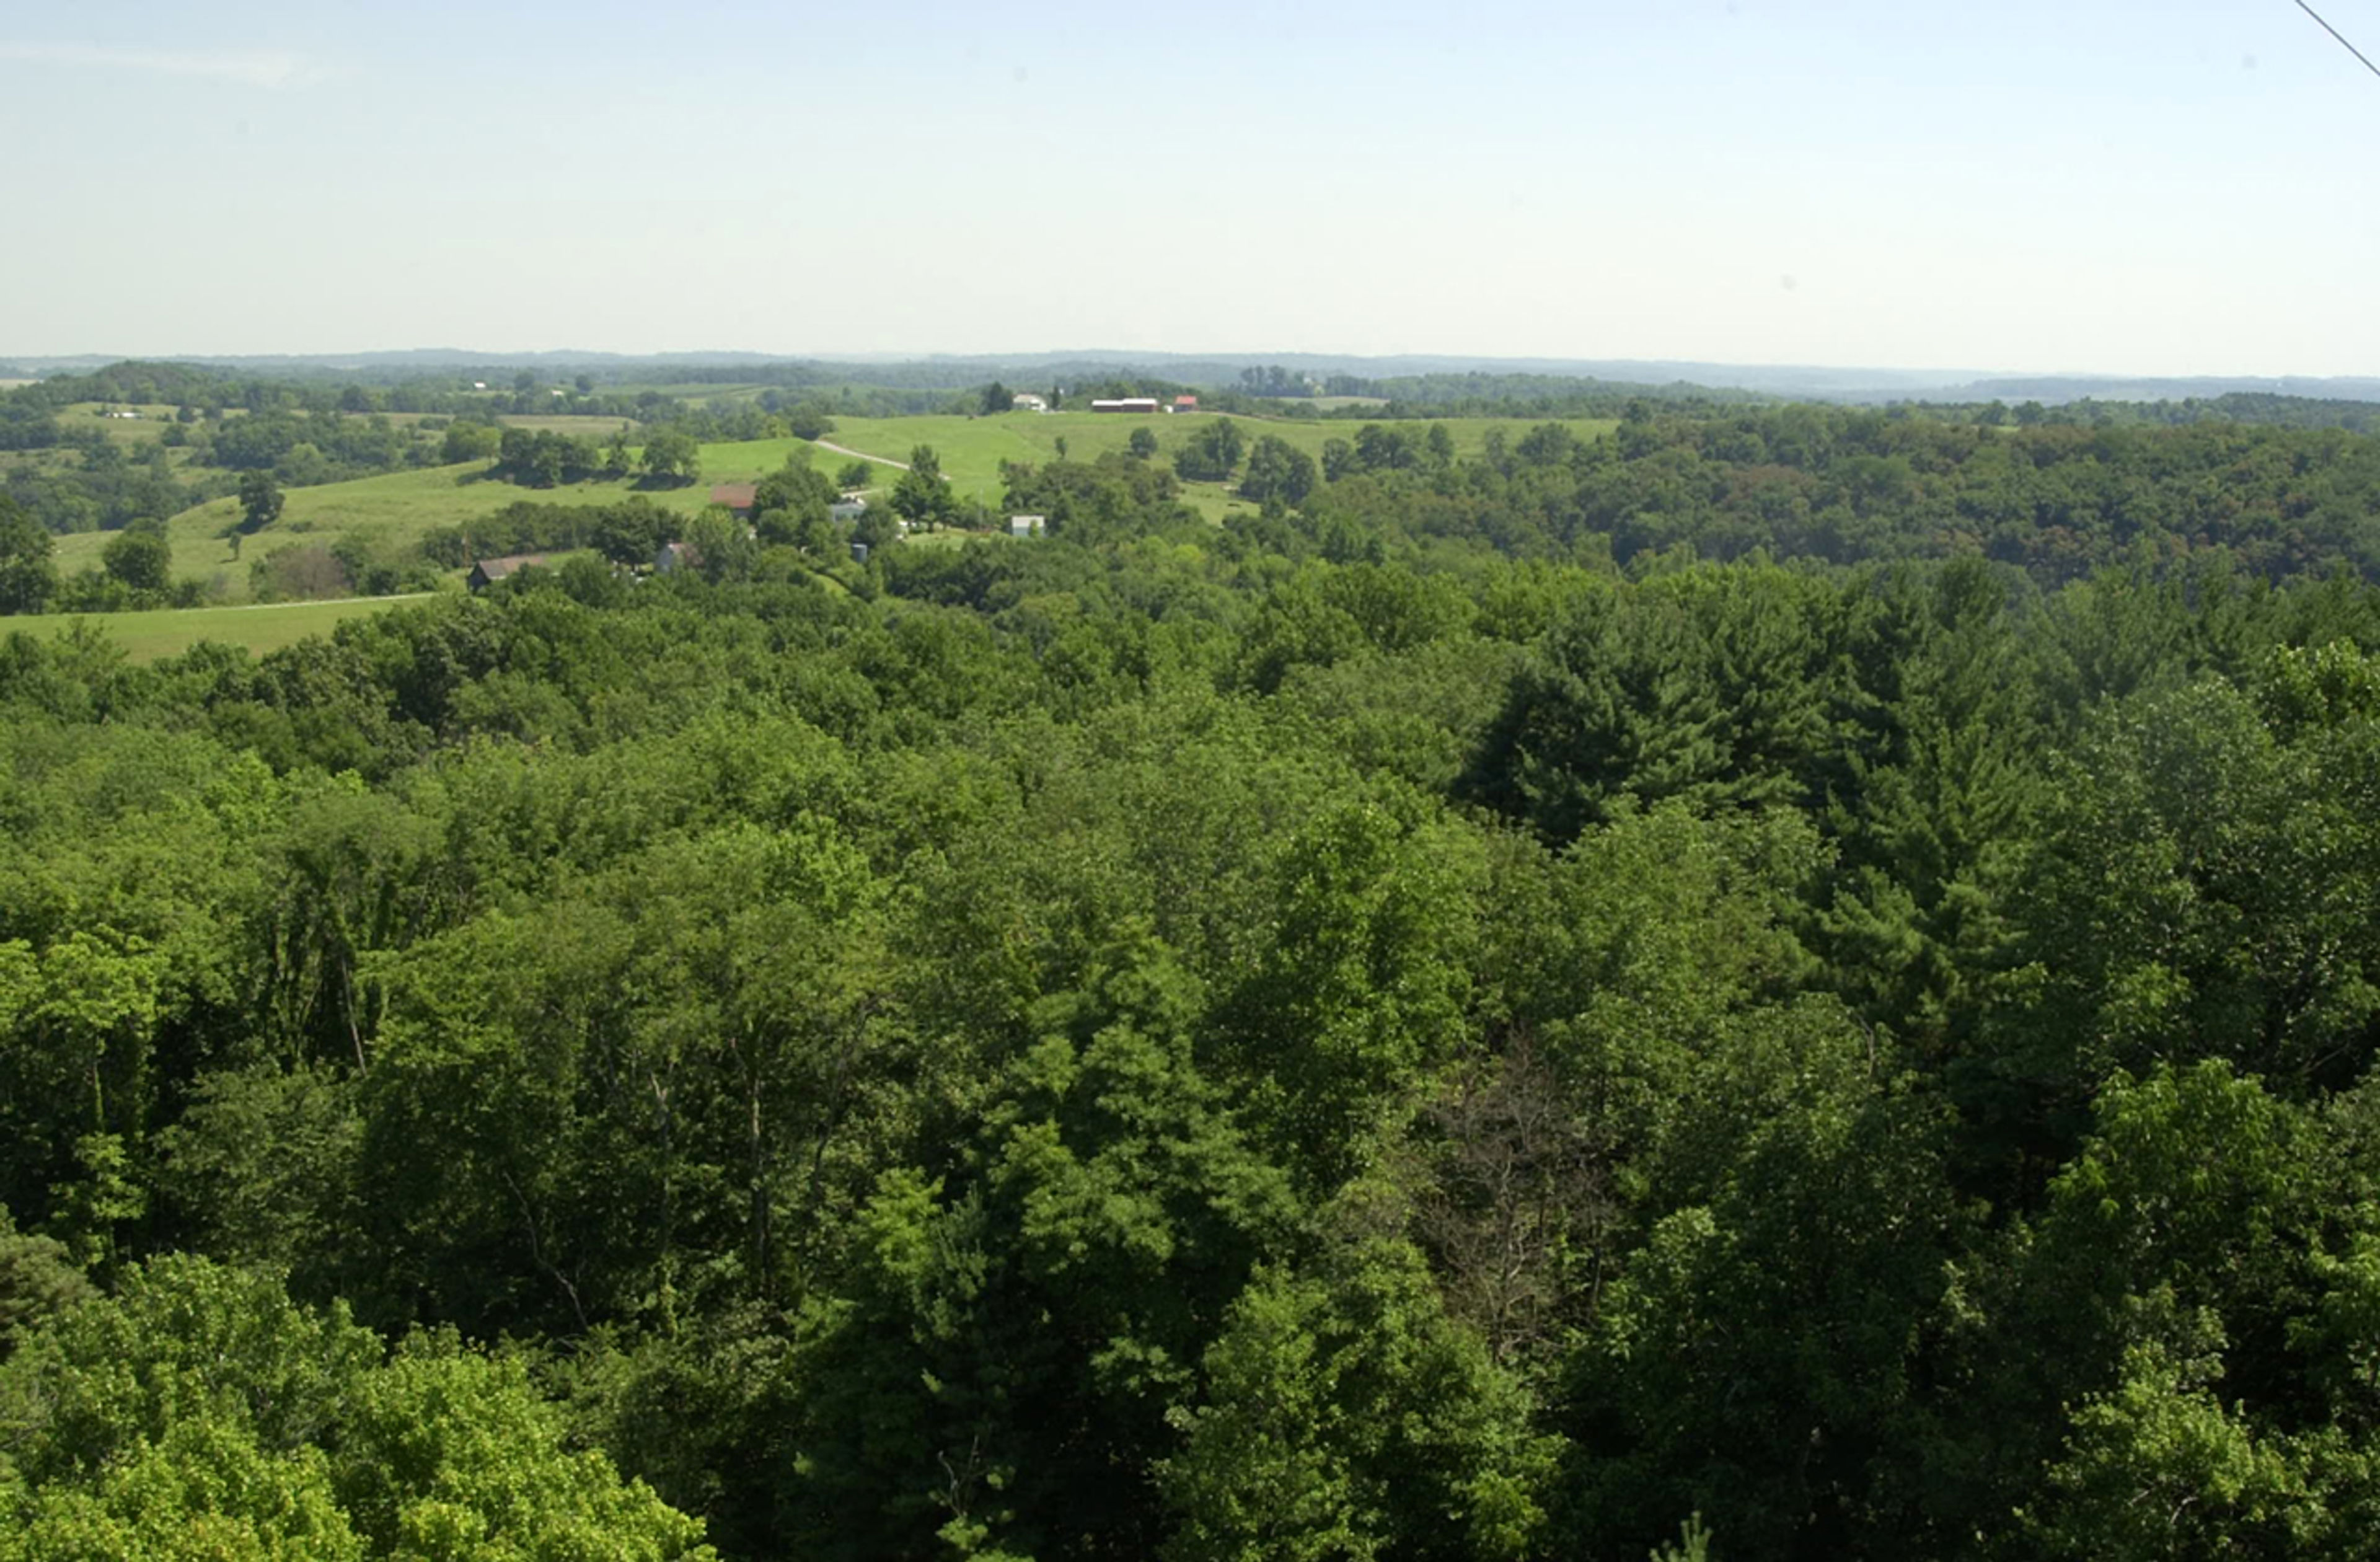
[
  {"x": 147, "y": 637},
  {"x": 393, "y": 512},
  {"x": 397, "y": 509},
  {"x": 971, "y": 449},
  {"x": 578, "y": 424},
  {"x": 146, "y": 428}
]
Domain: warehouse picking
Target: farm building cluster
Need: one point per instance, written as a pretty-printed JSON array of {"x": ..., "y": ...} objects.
[
  {"x": 737, "y": 498},
  {"x": 1144, "y": 404}
]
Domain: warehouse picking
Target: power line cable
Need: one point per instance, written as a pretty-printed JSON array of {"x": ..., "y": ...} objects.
[{"x": 2343, "y": 43}]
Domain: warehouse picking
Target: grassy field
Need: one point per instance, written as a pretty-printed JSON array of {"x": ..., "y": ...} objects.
[
  {"x": 391, "y": 511},
  {"x": 712, "y": 390},
  {"x": 584, "y": 425},
  {"x": 146, "y": 637},
  {"x": 971, "y": 449},
  {"x": 146, "y": 429}
]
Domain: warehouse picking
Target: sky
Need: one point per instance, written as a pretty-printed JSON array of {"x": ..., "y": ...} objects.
[{"x": 2134, "y": 187}]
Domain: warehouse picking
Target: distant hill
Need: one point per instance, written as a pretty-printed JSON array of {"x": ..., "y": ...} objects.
[
  {"x": 1809, "y": 382},
  {"x": 2072, "y": 387}
]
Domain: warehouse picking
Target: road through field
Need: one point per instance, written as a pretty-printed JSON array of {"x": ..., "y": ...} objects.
[{"x": 847, "y": 450}]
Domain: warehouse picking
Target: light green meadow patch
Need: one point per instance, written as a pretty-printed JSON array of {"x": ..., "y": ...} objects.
[
  {"x": 581, "y": 425},
  {"x": 387, "y": 513},
  {"x": 971, "y": 449},
  {"x": 146, "y": 427},
  {"x": 147, "y": 637}
]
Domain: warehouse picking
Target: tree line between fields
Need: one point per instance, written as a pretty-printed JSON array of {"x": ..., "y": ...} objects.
[{"x": 1368, "y": 1030}]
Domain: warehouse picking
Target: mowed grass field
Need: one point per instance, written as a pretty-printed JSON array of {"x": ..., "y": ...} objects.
[
  {"x": 146, "y": 429},
  {"x": 147, "y": 637},
  {"x": 971, "y": 449},
  {"x": 583, "y": 425},
  {"x": 394, "y": 510}
]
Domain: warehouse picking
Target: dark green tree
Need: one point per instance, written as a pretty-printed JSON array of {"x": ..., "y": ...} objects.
[
  {"x": 27, "y": 576},
  {"x": 1278, "y": 472},
  {"x": 921, "y": 495},
  {"x": 671, "y": 456},
  {"x": 140, "y": 557},
  {"x": 469, "y": 442},
  {"x": 1211, "y": 454},
  {"x": 260, "y": 501}
]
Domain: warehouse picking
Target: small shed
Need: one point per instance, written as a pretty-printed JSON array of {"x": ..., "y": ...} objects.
[
  {"x": 490, "y": 570},
  {"x": 737, "y": 497},
  {"x": 848, "y": 509},
  {"x": 1185, "y": 404},
  {"x": 1027, "y": 525},
  {"x": 675, "y": 557}
]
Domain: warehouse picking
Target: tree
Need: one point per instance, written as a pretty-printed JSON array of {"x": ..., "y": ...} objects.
[
  {"x": 469, "y": 442},
  {"x": 140, "y": 557},
  {"x": 922, "y": 495},
  {"x": 722, "y": 543},
  {"x": 260, "y": 500},
  {"x": 1346, "y": 1416},
  {"x": 28, "y": 579},
  {"x": 632, "y": 532},
  {"x": 1278, "y": 471},
  {"x": 998, "y": 398},
  {"x": 671, "y": 456},
  {"x": 198, "y": 1413},
  {"x": 1380, "y": 448},
  {"x": 1212, "y": 454},
  {"x": 852, "y": 476},
  {"x": 790, "y": 506},
  {"x": 1143, "y": 442}
]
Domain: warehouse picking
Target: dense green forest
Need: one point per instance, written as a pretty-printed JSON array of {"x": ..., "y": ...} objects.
[{"x": 1807, "y": 975}]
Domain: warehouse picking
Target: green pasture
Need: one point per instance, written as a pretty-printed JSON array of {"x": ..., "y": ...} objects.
[
  {"x": 396, "y": 510},
  {"x": 146, "y": 429},
  {"x": 582, "y": 426},
  {"x": 716, "y": 390},
  {"x": 971, "y": 449},
  {"x": 389, "y": 512},
  {"x": 146, "y": 637}
]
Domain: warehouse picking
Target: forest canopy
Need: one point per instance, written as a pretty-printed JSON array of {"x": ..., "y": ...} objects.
[{"x": 1808, "y": 974}]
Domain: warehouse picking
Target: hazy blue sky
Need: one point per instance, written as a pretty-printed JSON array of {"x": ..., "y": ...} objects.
[{"x": 2139, "y": 186}]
